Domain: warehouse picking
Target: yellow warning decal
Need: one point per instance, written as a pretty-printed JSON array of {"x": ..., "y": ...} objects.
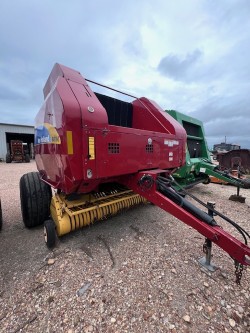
[
  {"x": 69, "y": 142},
  {"x": 91, "y": 148}
]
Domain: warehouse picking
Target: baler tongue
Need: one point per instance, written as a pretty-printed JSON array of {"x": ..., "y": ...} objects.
[{"x": 157, "y": 188}]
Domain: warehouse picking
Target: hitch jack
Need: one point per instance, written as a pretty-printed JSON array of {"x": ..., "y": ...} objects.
[{"x": 207, "y": 246}]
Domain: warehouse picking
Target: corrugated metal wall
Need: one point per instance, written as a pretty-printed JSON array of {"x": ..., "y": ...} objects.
[{"x": 9, "y": 128}]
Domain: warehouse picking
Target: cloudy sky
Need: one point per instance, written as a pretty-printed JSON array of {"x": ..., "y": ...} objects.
[{"x": 191, "y": 56}]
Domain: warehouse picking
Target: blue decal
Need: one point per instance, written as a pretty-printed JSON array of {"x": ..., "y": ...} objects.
[{"x": 45, "y": 134}]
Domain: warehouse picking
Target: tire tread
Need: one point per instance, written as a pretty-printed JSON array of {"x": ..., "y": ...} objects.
[
  {"x": 51, "y": 233},
  {"x": 35, "y": 198}
]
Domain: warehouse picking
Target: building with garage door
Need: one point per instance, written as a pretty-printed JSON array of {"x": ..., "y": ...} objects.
[{"x": 10, "y": 132}]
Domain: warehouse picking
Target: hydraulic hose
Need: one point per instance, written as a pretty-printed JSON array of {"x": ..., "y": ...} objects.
[
  {"x": 185, "y": 204},
  {"x": 165, "y": 185}
]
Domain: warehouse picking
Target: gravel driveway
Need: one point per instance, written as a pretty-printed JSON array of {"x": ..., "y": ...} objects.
[{"x": 136, "y": 272}]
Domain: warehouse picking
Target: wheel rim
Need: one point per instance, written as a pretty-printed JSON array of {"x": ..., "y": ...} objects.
[{"x": 45, "y": 234}]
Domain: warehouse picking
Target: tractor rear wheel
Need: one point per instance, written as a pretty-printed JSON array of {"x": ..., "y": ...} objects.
[
  {"x": 35, "y": 198},
  {"x": 27, "y": 158},
  {"x": 49, "y": 233},
  {"x": 8, "y": 158}
]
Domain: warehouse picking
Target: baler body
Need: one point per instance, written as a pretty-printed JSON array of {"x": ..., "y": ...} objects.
[
  {"x": 104, "y": 155},
  {"x": 83, "y": 139}
]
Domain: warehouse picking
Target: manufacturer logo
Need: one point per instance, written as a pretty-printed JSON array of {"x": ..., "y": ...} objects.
[{"x": 45, "y": 134}]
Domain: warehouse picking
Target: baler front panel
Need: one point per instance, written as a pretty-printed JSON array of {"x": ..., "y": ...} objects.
[
  {"x": 58, "y": 138},
  {"x": 93, "y": 114}
]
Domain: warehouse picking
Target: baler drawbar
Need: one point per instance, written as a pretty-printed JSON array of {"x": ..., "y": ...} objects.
[{"x": 101, "y": 155}]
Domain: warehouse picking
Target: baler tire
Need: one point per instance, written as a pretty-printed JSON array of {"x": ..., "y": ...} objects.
[
  {"x": 35, "y": 198},
  {"x": 207, "y": 181},
  {"x": 49, "y": 233},
  {"x": 8, "y": 158}
]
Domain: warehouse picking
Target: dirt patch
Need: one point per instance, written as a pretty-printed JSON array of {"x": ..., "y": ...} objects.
[{"x": 137, "y": 272}]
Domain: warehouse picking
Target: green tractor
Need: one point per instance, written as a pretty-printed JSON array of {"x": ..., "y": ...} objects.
[{"x": 198, "y": 165}]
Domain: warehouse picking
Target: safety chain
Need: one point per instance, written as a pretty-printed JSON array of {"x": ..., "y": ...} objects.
[
  {"x": 238, "y": 266},
  {"x": 238, "y": 271}
]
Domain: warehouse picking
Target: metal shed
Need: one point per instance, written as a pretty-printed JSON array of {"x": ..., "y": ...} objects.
[{"x": 9, "y": 132}]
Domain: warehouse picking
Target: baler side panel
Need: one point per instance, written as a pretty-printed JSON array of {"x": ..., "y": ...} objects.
[
  {"x": 147, "y": 115},
  {"x": 122, "y": 151}
]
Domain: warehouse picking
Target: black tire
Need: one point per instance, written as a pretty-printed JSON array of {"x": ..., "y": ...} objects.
[
  {"x": 8, "y": 158},
  {"x": 35, "y": 198},
  {"x": 49, "y": 233},
  {"x": 1, "y": 216},
  {"x": 27, "y": 158},
  {"x": 207, "y": 181}
]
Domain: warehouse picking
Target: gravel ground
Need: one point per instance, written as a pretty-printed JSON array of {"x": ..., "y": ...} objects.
[{"x": 136, "y": 272}]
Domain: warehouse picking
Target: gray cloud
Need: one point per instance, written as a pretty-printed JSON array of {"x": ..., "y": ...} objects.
[
  {"x": 177, "y": 67},
  {"x": 6, "y": 93},
  {"x": 194, "y": 60},
  {"x": 229, "y": 117}
]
